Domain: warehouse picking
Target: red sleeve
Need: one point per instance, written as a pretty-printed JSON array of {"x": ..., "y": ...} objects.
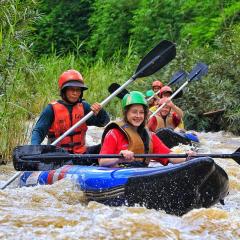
[
  {"x": 152, "y": 124},
  {"x": 114, "y": 142},
  {"x": 160, "y": 148},
  {"x": 176, "y": 119}
]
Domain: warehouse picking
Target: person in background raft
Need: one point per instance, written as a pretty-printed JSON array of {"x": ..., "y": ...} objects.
[
  {"x": 60, "y": 115},
  {"x": 156, "y": 86},
  {"x": 130, "y": 136},
  {"x": 170, "y": 116},
  {"x": 154, "y": 99},
  {"x": 165, "y": 91}
]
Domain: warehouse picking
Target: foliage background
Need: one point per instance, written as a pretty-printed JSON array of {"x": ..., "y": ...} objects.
[{"x": 105, "y": 40}]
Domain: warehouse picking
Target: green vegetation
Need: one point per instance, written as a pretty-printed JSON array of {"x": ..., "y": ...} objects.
[{"x": 105, "y": 40}]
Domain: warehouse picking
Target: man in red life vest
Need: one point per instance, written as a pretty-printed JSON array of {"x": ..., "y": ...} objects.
[{"x": 61, "y": 115}]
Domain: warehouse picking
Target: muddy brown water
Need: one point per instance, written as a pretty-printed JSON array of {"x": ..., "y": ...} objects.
[{"x": 60, "y": 211}]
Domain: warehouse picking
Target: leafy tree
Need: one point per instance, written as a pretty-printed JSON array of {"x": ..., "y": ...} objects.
[
  {"x": 219, "y": 89},
  {"x": 63, "y": 26},
  {"x": 204, "y": 20},
  {"x": 155, "y": 20},
  {"x": 110, "y": 24}
]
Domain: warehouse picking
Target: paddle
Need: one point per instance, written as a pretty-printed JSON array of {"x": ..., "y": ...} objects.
[
  {"x": 198, "y": 71},
  {"x": 37, "y": 157},
  {"x": 177, "y": 77},
  {"x": 157, "y": 58}
]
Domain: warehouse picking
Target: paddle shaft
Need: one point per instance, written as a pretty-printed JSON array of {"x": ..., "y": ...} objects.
[
  {"x": 175, "y": 79},
  {"x": 67, "y": 156},
  {"x": 85, "y": 118},
  {"x": 104, "y": 102},
  {"x": 10, "y": 180},
  {"x": 90, "y": 114},
  {"x": 194, "y": 74},
  {"x": 156, "y": 93},
  {"x": 169, "y": 99}
]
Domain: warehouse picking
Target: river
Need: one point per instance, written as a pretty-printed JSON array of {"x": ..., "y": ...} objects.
[{"x": 60, "y": 211}]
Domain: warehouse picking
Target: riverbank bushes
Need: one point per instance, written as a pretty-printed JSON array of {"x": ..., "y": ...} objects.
[{"x": 29, "y": 81}]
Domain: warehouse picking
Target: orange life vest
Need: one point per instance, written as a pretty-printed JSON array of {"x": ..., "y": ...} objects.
[
  {"x": 63, "y": 120},
  {"x": 167, "y": 123},
  {"x": 135, "y": 142}
]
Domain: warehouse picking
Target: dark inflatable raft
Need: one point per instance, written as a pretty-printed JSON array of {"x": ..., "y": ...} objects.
[
  {"x": 173, "y": 138},
  {"x": 175, "y": 189}
]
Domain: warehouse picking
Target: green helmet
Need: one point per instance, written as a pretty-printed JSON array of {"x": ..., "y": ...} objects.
[
  {"x": 134, "y": 97},
  {"x": 149, "y": 93}
]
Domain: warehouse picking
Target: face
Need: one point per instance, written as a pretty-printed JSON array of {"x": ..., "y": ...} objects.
[
  {"x": 135, "y": 115},
  {"x": 73, "y": 94},
  {"x": 166, "y": 94},
  {"x": 165, "y": 110},
  {"x": 153, "y": 102},
  {"x": 155, "y": 89}
]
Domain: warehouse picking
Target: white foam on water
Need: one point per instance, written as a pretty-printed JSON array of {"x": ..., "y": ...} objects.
[{"x": 60, "y": 211}]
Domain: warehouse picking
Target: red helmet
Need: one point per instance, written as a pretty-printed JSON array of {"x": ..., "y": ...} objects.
[
  {"x": 157, "y": 83},
  {"x": 165, "y": 89},
  {"x": 71, "y": 78}
]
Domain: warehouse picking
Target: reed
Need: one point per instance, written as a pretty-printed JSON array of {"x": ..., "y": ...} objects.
[{"x": 28, "y": 84}]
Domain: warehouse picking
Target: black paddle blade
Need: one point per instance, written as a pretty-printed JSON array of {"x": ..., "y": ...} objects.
[
  {"x": 236, "y": 156},
  {"x": 198, "y": 71},
  {"x": 20, "y": 152},
  {"x": 114, "y": 86},
  {"x": 178, "y": 77},
  {"x": 157, "y": 58}
]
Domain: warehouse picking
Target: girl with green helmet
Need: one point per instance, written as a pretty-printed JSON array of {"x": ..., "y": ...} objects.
[{"x": 130, "y": 136}]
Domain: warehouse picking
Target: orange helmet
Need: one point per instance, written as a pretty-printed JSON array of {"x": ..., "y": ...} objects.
[
  {"x": 157, "y": 83},
  {"x": 165, "y": 89},
  {"x": 71, "y": 78}
]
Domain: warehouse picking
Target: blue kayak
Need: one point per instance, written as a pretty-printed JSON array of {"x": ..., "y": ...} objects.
[
  {"x": 175, "y": 189},
  {"x": 173, "y": 138}
]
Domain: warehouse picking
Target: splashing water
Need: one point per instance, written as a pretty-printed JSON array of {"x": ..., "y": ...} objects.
[{"x": 60, "y": 211}]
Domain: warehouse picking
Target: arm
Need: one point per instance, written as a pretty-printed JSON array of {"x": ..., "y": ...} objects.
[
  {"x": 152, "y": 124},
  {"x": 109, "y": 146},
  {"x": 161, "y": 148},
  {"x": 42, "y": 126},
  {"x": 115, "y": 143},
  {"x": 99, "y": 120},
  {"x": 177, "y": 110}
]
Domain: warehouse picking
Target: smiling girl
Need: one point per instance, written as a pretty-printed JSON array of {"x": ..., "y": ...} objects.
[{"x": 130, "y": 136}]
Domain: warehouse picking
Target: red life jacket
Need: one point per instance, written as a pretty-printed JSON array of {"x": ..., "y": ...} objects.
[{"x": 63, "y": 120}]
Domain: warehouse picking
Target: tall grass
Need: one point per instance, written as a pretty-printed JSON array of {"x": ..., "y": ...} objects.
[
  {"x": 27, "y": 85},
  {"x": 16, "y": 72},
  {"x": 98, "y": 76}
]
